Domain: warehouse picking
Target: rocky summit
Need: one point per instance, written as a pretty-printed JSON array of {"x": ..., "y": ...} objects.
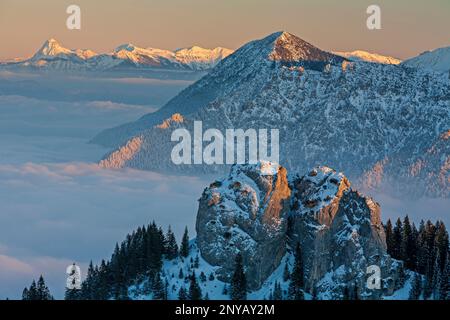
[{"x": 262, "y": 213}]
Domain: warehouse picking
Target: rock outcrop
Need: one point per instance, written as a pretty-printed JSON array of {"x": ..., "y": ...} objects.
[
  {"x": 257, "y": 212},
  {"x": 247, "y": 213}
]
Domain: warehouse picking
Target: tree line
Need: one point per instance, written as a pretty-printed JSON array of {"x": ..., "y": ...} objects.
[
  {"x": 139, "y": 258},
  {"x": 424, "y": 250}
]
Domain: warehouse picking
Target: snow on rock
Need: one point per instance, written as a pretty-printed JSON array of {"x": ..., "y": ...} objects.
[
  {"x": 247, "y": 213},
  {"x": 256, "y": 214}
]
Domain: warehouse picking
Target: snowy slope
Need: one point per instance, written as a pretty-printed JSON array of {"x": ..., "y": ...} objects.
[
  {"x": 435, "y": 60},
  {"x": 53, "y": 56},
  {"x": 346, "y": 115},
  {"x": 360, "y": 55}
]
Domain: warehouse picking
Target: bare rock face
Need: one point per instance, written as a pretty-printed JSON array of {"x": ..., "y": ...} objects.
[
  {"x": 247, "y": 213},
  {"x": 341, "y": 234}
]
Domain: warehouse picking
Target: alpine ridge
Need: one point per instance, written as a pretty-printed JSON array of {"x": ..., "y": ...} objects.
[{"x": 53, "y": 56}]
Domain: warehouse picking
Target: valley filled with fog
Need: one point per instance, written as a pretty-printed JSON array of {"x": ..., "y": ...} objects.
[{"x": 57, "y": 206}]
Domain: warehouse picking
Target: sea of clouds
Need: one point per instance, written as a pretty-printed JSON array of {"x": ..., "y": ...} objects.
[{"x": 58, "y": 206}]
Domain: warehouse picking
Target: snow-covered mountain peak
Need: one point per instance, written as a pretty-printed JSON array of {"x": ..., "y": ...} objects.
[
  {"x": 361, "y": 55},
  {"x": 127, "y": 46},
  {"x": 287, "y": 47},
  {"x": 436, "y": 60},
  {"x": 52, "y": 47}
]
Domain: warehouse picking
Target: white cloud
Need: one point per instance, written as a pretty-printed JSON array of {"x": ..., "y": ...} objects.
[{"x": 77, "y": 211}]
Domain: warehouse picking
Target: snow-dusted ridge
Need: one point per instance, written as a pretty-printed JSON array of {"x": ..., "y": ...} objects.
[
  {"x": 360, "y": 55},
  {"x": 434, "y": 60},
  {"x": 53, "y": 56}
]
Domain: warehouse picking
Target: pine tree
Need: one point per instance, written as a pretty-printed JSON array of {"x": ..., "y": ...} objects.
[
  {"x": 33, "y": 292},
  {"x": 182, "y": 294},
  {"x": 225, "y": 289},
  {"x": 390, "y": 242},
  {"x": 407, "y": 246},
  {"x": 37, "y": 291},
  {"x": 397, "y": 239},
  {"x": 72, "y": 294},
  {"x": 43, "y": 292},
  {"x": 277, "y": 292},
  {"x": 202, "y": 277},
  {"x": 238, "y": 281},
  {"x": 416, "y": 289},
  {"x": 297, "y": 277},
  {"x": 422, "y": 250},
  {"x": 314, "y": 293},
  {"x": 195, "y": 293},
  {"x": 184, "y": 248},
  {"x": 25, "y": 294},
  {"x": 444, "y": 281},
  {"x": 286, "y": 273},
  {"x": 171, "y": 246},
  {"x": 211, "y": 277},
  {"x": 180, "y": 274},
  {"x": 196, "y": 262},
  {"x": 442, "y": 245},
  {"x": 346, "y": 293},
  {"x": 158, "y": 289}
]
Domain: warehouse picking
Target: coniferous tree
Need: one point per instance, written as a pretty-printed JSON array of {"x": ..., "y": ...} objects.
[
  {"x": 416, "y": 289},
  {"x": 225, "y": 289},
  {"x": 211, "y": 277},
  {"x": 444, "y": 282},
  {"x": 72, "y": 294},
  {"x": 286, "y": 273},
  {"x": 158, "y": 288},
  {"x": 238, "y": 290},
  {"x": 442, "y": 245},
  {"x": 25, "y": 294},
  {"x": 184, "y": 248},
  {"x": 196, "y": 262},
  {"x": 195, "y": 293},
  {"x": 407, "y": 245},
  {"x": 202, "y": 277},
  {"x": 422, "y": 250},
  {"x": 297, "y": 277},
  {"x": 346, "y": 293},
  {"x": 180, "y": 274},
  {"x": 277, "y": 292},
  {"x": 390, "y": 242},
  {"x": 171, "y": 247},
  {"x": 43, "y": 291},
  {"x": 37, "y": 291},
  {"x": 397, "y": 239},
  {"x": 182, "y": 294},
  {"x": 314, "y": 293},
  {"x": 430, "y": 232}
]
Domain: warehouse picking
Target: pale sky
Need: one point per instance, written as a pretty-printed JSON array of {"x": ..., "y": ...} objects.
[{"x": 409, "y": 27}]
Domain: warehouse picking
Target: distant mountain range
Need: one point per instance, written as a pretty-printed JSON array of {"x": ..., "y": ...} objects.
[
  {"x": 53, "y": 56},
  {"x": 384, "y": 125}
]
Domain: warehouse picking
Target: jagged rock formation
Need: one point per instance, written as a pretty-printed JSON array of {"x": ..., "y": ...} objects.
[
  {"x": 339, "y": 229},
  {"x": 245, "y": 213},
  {"x": 347, "y": 115}
]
